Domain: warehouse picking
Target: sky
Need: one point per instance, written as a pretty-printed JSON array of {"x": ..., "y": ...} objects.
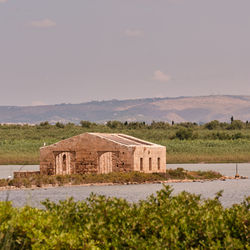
[{"x": 74, "y": 51}]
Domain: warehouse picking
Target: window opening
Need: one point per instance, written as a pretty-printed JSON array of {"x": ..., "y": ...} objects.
[
  {"x": 64, "y": 162},
  {"x": 159, "y": 163},
  {"x": 150, "y": 163},
  {"x": 141, "y": 164}
]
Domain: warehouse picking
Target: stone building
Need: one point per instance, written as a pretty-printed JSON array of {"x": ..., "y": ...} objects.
[{"x": 102, "y": 153}]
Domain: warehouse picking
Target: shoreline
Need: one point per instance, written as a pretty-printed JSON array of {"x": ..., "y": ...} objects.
[{"x": 223, "y": 178}]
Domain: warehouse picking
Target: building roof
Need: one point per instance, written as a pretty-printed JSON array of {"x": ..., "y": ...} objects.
[
  {"x": 124, "y": 139},
  {"x": 116, "y": 138}
]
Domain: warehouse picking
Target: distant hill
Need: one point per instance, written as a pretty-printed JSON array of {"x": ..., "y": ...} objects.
[{"x": 194, "y": 109}]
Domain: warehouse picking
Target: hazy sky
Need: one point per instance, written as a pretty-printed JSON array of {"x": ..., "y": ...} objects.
[{"x": 71, "y": 51}]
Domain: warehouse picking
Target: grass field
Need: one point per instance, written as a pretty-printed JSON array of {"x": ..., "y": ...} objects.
[{"x": 20, "y": 144}]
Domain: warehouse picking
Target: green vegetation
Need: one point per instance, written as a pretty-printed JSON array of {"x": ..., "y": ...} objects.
[
  {"x": 162, "y": 221},
  {"x": 114, "y": 177},
  {"x": 185, "y": 142}
]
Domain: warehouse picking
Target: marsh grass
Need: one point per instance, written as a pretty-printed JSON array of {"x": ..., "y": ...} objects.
[{"x": 20, "y": 144}]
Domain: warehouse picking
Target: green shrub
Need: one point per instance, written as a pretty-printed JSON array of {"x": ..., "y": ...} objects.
[
  {"x": 184, "y": 134},
  {"x": 162, "y": 221},
  {"x": 212, "y": 125},
  {"x": 114, "y": 124},
  {"x": 159, "y": 125},
  {"x": 85, "y": 124},
  {"x": 60, "y": 125},
  {"x": 178, "y": 173},
  {"x": 236, "y": 124},
  {"x": 44, "y": 124},
  {"x": 3, "y": 182},
  {"x": 237, "y": 136},
  {"x": 221, "y": 136}
]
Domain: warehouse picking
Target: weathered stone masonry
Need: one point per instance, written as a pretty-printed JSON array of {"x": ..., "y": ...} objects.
[{"x": 102, "y": 153}]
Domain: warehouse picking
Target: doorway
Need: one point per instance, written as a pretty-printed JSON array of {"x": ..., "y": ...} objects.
[
  {"x": 63, "y": 163},
  {"x": 105, "y": 163}
]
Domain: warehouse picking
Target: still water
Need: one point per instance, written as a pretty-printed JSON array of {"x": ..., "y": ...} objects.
[{"x": 234, "y": 191}]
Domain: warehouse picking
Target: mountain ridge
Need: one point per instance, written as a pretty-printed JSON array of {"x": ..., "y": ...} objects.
[{"x": 178, "y": 109}]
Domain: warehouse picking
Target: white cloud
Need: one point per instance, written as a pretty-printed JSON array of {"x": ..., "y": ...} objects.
[
  {"x": 3, "y": 1},
  {"x": 160, "y": 76},
  {"x": 134, "y": 33},
  {"x": 45, "y": 23}
]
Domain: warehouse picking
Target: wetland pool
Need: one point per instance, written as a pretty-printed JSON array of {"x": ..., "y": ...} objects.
[{"x": 234, "y": 191}]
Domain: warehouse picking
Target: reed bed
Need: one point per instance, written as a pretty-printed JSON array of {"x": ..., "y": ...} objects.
[{"x": 20, "y": 144}]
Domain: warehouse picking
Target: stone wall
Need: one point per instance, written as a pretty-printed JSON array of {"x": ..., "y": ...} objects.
[
  {"x": 150, "y": 159},
  {"x": 26, "y": 174},
  {"x": 87, "y": 150}
]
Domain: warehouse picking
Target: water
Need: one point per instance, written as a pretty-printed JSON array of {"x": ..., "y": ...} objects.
[
  {"x": 8, "y": 171},
  {"x": 227, "y": 169},
  {"x": 234, "y": 190}
]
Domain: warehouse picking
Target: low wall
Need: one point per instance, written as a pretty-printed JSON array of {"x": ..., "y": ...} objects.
[{"x": 26, "y": 174}]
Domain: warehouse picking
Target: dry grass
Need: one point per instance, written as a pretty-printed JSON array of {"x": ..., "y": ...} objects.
[
  {"x": 19, "y": 158},
  {"x": 115, "y": 177}
]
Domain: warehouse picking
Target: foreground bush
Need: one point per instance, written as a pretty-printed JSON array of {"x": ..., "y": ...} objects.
[{"x": 162, "y": 221}]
